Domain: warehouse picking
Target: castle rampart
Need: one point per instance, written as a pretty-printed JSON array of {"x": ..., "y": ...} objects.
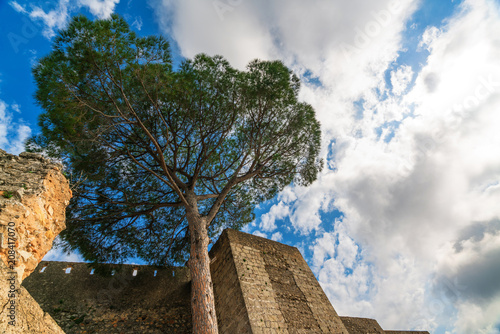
[
  {"x": 122, "y": 299},
  {"x": 260, "y": 286}
]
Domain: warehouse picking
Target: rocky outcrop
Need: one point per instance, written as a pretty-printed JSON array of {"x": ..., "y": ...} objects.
[
  {"x": 33, "y": 197},
  {"x": 21, "y": 314}
]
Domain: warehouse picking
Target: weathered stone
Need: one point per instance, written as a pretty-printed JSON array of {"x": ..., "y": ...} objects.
[
  {"x": 33, "y": 199},
  {"x": 370, "y": 326},
  {"x": 362, "y": 325},
  {"x": 260, "y": 286},
  {"x": 406, "y": 332},
  {"x": 21, "y": 314},
  {"x": 272, "y": 284},
  {"x": 81, "y": 302}
]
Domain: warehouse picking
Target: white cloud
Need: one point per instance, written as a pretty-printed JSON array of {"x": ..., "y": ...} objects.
[
  {"x": 305, "y": 217},
  {"x": 408, "y": 173},
  {"x": 12, "y": 133},
  {"x": 276, "y": 212},
  {"x": 23, "y": 132},
  {"x": 100, "y": 8},
  {"x": 301, "y": 33},
  {"x": 58, "y": 17},
  {"x": 400, "y": 79},
  {"x": 198, "y": 27},
  {"x": 347, "y": 250},
  {"x": 429, "y": 36},
  {"x": 4, "y": 124},
  {"x": 323, "y": 247},
  {"x": 137, "y": 23},
  {"x": 54, "y": 19},
  {"x": 477, "y": 319},
  {"x": 472, "y": 264},
  {"x": 17, "y": 7},
  {"x": 404, "y": 199},
  {"x": 15, "y": 107},
  {"x": 277, "y": 236}
]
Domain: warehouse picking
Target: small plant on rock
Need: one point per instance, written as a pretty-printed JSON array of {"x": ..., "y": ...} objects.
[{"x": 7, "y": 194}]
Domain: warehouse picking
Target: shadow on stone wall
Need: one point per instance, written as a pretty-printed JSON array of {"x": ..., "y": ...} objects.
[{"x": 155, "y": 300}]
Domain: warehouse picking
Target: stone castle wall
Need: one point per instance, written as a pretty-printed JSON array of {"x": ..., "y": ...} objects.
[
  {"x": 280, "y": 293},
  {"x": 260, "y": 286},
  {"x": 155, "y": 300},
  {"x": 232, "y": 315}
]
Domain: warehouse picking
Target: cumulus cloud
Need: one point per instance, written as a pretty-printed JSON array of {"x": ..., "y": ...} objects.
[
  {"x": 268, "y": 220},
  {"x": 100, "y": 8},
  {"x": 472, "y": 265},
  {"x": 476, "y": 319},
  {"x": 435, "y": 177},
  {"x": 400, "y": 79},
  {"x": 58, "y": 17},
  {"x": 410, "y": 171},
  {"x": 54, "y": 19},
  {"x": 199, "y": 27},
  {"x": 324, "y": 247},
  {"x": 277, "y": 236},
  {"x": 429, "y": 36},
  {"x": 13, "y": 133}
]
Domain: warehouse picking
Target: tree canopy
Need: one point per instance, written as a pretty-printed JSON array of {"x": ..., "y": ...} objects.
[{"x": 147, "y": 142}]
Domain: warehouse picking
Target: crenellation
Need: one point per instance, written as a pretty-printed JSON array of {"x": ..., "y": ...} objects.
[{"x": 119, "y": 303}]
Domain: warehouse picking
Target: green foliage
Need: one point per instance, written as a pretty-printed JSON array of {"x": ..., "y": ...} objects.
[
  {"x": 7, "y": 194},
  {"x": 144, "y": 138}
]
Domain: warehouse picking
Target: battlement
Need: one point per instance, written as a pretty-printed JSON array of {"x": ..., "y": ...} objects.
[
  {"x": 260, "y": 286},
  {"x": 123, "y": 299}
]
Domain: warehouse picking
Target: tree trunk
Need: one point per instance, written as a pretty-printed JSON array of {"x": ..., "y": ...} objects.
[{"x": 202, "y": 292}]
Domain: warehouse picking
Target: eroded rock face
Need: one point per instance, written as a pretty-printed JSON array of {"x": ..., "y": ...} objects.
[
  {"x": 22, "y": 314},
  {"x": 33, "y": 198}
]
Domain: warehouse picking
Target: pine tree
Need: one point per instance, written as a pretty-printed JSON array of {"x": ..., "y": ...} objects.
[{"x": 167, "y": 159}]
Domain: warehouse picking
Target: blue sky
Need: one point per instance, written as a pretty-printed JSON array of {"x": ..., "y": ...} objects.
[{"x": 402, "y": 225}]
